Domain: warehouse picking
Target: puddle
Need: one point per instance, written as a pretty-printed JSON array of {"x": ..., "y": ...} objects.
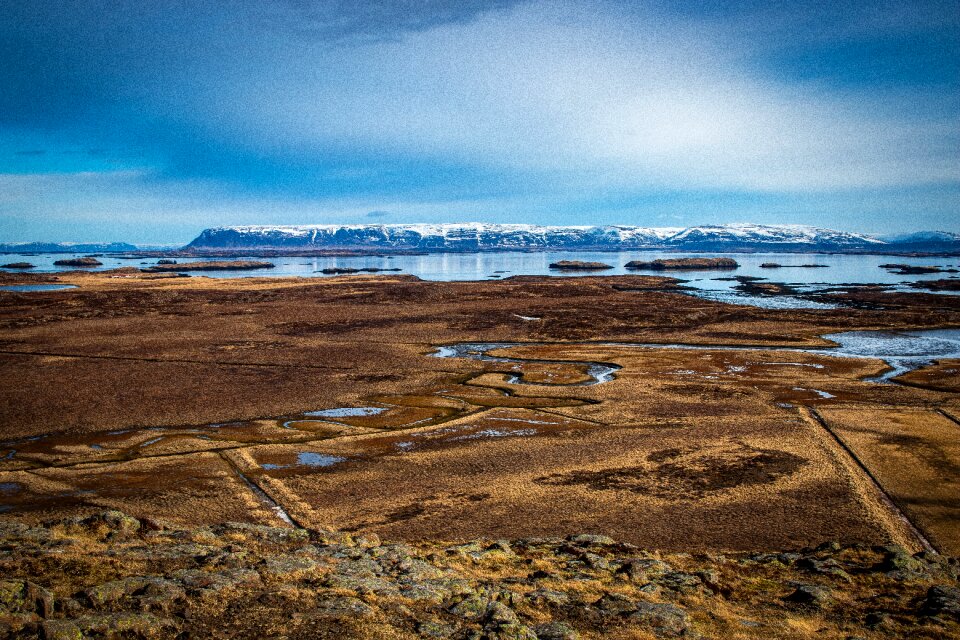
[
  {"x": 346, "y": 412},
  {"x": 298, "y": 424},
  {"x": 310, "y": 459},
  {"x": 812, "y": 365},
  {"x": 36, "y": 287},
  {"x": 9, "y": 488},
  {"x": 496, "y": 433},
  {"x": 307, "y": 459},
  {"x": 762, "y": 302},
  {"x": 823, "y": 394},
  {"x": 525, "y": 421}
]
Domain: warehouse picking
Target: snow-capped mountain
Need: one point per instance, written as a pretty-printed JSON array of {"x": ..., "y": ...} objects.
[
  {"x": 66, "y": 247},
  {"x": 770, "y": 237},
  {"x": 472, "y": 236},
  {"x": 925, "y": 241},
  {"x": 476, "y": 236}
]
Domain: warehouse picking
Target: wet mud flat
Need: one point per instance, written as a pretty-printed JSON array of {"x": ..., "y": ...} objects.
[{"x": 566, "y": 407}]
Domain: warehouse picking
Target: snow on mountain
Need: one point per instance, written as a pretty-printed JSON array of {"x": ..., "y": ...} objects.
[
  {"x": 66, "y": 247},
  {"x": 923, "y": 236},
  {"x": 925, "y": 241},
  {"x": 744, "y": 235},
  {"x": 478, "y": 236},
  {"x": 465, "y": 236}
]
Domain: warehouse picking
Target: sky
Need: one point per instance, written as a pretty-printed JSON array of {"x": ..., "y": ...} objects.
[{"x": 147, "y": 122}]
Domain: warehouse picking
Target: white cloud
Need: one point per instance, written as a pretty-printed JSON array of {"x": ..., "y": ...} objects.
[{"x": 585, "y": 92}]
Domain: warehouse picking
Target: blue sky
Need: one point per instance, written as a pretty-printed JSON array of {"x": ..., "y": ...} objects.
[{"x": 148, "y": 122}]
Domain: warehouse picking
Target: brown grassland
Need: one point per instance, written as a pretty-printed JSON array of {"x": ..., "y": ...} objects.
[{"x": 186, "y": 400}]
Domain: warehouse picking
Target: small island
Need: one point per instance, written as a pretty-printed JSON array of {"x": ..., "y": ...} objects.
[
  {"x": 18, "y": 265},
  {"x": 579, "y": 265},
  {"x": 947, "y": 284},
  {"x": 683, "y": 263},
  {"x": 213, "y": 265},
  {"x": 777, "y": 265},
  {"x": 88, "y": 261},
  {"x": 914, "y": 269},
  {"x": 347, "y": 270}
]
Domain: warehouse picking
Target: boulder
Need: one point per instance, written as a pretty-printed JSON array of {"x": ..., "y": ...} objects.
[
  {"x": 943, "y": 600},
  {"x": 810, "y": 595}
]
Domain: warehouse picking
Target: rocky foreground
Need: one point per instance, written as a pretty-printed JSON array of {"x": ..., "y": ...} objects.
[{"x": 113, "y": 576}]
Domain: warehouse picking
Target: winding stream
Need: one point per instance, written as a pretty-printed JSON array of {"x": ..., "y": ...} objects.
[{"x": 599, "y": 372}]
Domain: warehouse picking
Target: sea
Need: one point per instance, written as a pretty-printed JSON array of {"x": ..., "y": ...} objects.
[{"x": 837, "y": 270}]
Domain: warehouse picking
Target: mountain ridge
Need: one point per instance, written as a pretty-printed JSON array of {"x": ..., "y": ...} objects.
[
  {"x": 476, "y": 236},
  {"x": 66, "y": 247}
]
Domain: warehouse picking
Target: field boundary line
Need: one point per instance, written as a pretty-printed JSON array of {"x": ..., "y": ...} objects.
[{"x": 885, "y": 497}]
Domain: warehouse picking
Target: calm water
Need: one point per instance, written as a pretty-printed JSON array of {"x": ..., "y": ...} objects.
[
  {"x": 839, "y": 270},
  {"x": 36, "y": 287}
]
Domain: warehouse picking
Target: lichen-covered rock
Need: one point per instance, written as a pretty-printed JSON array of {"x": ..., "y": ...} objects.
[
  {"x": 680, "y": 581},
  {"x": 943, "y": 600},
  {"x": 810, "y": 595},
  {"x": 511, "y": 631},
  {"x": 615, "y": 604},
  {"x": 642, "y": 570},
  {"x": 145, "y": 626},
  {"x": 499, "y": 613},
  {"x": 115, "y": 524},
  {"x": 61, "y": 630},
  {"x": 254, "y": 581},
  {"x": 262, "y": 532},
  {"x": 900, "y": 564},
  {"x": 664, "y": 619},
  {"x": 345, "y": 607},
  {"x": 472, "y": 607},
  {"x": 434, "y": 629},
  {"x": 556, "y": 631},
  {"x": 23, "y": 596},
  {"x": 588, "y": 540},
  {"x": 288, "y": 568},
  {"x": 548, "y": 598}
]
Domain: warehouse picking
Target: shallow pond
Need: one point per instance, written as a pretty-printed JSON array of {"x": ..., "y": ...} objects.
[
  {"x": 307, "y": 459},
  {"x": 36, "y": 287},
  {"x": 346, "y": 412}
]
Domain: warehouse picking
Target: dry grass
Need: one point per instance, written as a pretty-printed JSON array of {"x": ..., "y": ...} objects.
[
  {"x": 915, "y": 455},
  {"x": 685, "y": 449}
]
